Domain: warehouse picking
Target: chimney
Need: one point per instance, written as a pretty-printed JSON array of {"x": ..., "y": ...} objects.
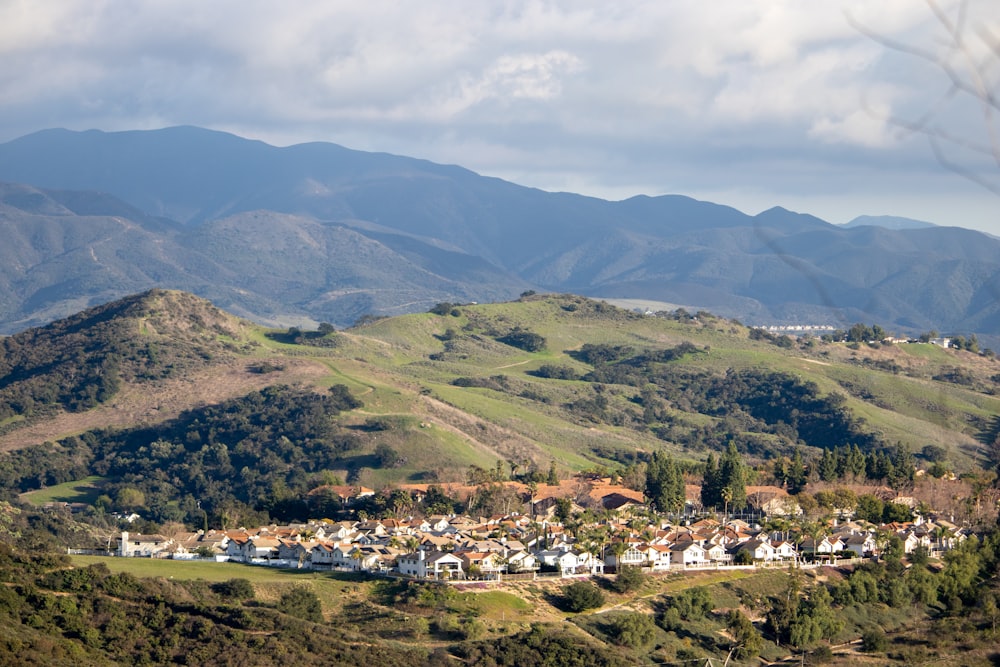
[{"x": 123, "y": 549}]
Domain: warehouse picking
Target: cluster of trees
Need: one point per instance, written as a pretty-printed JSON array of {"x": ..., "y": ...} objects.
[
  {"x": 749, "y": 400},
  {"x": 250, "y": 458},
  {"x": 894, "y": 466},
  {"x": 724, "y": 482},
  {"x": 324, "y": 336}
]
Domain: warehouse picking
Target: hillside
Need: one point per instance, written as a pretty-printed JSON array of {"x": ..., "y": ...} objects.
[
  {"x": 318, "y": 232},
  {"x": 545, "y": 379},
  {"x": 139, "y": 359}
]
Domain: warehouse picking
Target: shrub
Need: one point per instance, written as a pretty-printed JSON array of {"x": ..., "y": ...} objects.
[
  {"x": 630, "y": 578},
  {"x": 524, "y": 340},
  {"x": 873, "y": 640},
  {"x": 632, "y": 629},
  {"x": 238, "y": 589},
  {"x": 582, "y": 595},
  {"x": 301, "y": 602}
]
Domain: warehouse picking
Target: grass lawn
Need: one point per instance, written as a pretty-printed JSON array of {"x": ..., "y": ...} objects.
[
  {"x": 83, "y": 490},
  {"x": 209, "y": 571}
]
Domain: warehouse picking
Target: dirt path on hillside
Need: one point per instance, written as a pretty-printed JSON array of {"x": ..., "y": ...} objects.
[
  {"x": 484, "y": 435},
  {"x": 151, "y": 403}
]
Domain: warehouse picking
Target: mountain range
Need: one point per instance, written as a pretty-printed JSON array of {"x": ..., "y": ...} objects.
[{"x": 318, "y": 232}]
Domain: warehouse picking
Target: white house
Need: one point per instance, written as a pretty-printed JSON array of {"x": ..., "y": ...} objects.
[
  {"x": 430, "y": 564},
  {"x": 688, "y": 554},
  {"x": 142, "y": 545}
]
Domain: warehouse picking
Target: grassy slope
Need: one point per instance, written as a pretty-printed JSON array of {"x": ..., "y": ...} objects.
[
  {"x": 445, "y": 428},
  {"x": 905, "y": 406}
]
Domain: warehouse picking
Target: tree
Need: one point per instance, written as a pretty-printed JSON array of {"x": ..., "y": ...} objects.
[
  {"x": 747, "y": 640},
  {"x": 665, "y": 483},
  {"x": 873, "y": 640},
  {"x": 733, "y": 475},
  {"x": 711, "y": 486},
  {"x": 827, "y": 466},
  {"x": 130, "y": 498},
  {"x": 386, "y": 456},
  {"x": 629, "y": 578},
  {"x": 632, "y": 629},
  {"x": 552, "y": 479},
  {"x": 797, "y": 473},
  {"x": 582, "y": 595}
]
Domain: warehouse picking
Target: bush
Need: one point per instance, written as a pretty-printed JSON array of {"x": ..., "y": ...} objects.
[
  {"x": 630, "y": 578},
  {"x": 582, "y": 595},
  {"x": 524, "y": 340},
  {"x": 302, "y": 603},
  {"x": 632, "y": 629},
  {"x": 237, "y": 589},
  {"x": 873, "y": 640}
]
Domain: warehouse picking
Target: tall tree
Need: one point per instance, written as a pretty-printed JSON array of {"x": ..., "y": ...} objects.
[
  {"x": 733, "y": 476},
  {"x": 711, "y": 489},
  {"x": 665, "y": 483}
]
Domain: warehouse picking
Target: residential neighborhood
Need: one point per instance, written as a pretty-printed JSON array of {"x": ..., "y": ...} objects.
[{"x": 625, "y": 533}]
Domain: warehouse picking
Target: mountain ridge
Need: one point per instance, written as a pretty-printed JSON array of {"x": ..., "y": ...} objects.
[{"x": 422, "y": 233}]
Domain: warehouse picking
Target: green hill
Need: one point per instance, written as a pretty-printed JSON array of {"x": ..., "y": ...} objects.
[{"x": 554, "y": 379}]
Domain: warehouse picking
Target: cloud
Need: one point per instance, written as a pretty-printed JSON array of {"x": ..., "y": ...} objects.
[{"x": 659, "y": 94}]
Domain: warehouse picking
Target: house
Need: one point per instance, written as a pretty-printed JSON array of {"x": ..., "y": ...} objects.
[
  {"x": 521, "y": 561},
  {"x": 862, "y": 544},
  {"x": 295, "y": 551},
  {"x": 717, "y": 553},
  {"x": 759, "y": 550},
  {"x": 785, "y": 550},
  {"x": 688, "y": 554},
  {"x": 484, "y": 562},
  {"x": 824, "y": 548},
  {"x": 586, "y": 563},
  {"x": 631, "y": 555},
  {"x": 373, "y": 558},
  {"x": 657, "y": 556},
  {"x": 259, "y": 548},
  {"x": 430, "y": 565},
  {"x": 145, "y": 546},
  {"x": 321, "y": 555}
]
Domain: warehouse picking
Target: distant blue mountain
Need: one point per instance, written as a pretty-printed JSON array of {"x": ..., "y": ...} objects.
[
  {"x": 888, "y": 222},
  {"x": 324, "y": 232}
]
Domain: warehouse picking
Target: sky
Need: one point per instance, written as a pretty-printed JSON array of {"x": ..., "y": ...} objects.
[{"x": 836, "y": 108}]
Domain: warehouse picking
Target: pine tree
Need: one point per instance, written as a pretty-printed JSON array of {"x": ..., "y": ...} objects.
[
  {"x": 828, "y": 466},
  {"x": 796, "y": 473},
  {"x": 665, "y": 483},
  {"x": 733, "y": 476},
  {"x": 711, "y": 489}
]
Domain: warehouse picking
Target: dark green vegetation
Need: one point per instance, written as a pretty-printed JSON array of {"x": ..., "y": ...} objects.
[
  {"x": 80, "y": 362},
  {"x": 375, "y": 233},
  {"x": 262, "y": 452}
]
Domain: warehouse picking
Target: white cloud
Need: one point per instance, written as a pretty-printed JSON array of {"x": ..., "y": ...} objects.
[{"x": 651, "y": 95}]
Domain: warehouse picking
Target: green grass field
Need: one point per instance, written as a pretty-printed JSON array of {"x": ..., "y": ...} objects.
[{"x": 84, "y": 490}]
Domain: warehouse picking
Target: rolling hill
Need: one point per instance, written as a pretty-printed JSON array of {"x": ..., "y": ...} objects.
[
  {"x": 548, "y": 378},
  {"x": 318, "y": 232}
]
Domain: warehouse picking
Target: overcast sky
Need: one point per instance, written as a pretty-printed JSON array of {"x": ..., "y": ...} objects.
[{"x": 748, "y": 103}]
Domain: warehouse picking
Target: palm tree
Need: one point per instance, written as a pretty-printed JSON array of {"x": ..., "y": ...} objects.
[
  {"x": 727, "y": 496},
  {"x": 618, "y": 549}
]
